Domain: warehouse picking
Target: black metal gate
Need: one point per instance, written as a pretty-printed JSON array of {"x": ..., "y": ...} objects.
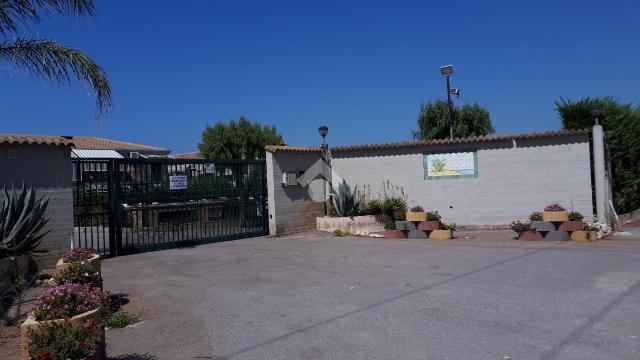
[{"x": 129, "y": 205}]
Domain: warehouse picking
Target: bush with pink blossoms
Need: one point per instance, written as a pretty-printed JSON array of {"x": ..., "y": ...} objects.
[
  {"x": 554, "y": 207},
  {"x": 78, "y": 254},
  {"x": 69, "y": 300}
]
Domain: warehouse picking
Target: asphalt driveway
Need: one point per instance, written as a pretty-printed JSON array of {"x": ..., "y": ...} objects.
[{"x": 314, "y": 296}]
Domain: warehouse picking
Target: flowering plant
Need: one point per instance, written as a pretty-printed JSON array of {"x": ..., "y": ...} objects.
[
  {"x": 554, "y": 207},
  {"x": 62, "y": 341},
  {"x": 417, "y": 208},
  {"x": 69, "y": 300},
  {"x": 77, "y": 272},
  {"x": 602, "y": 229},
  {"x": 79, "y": 254}
]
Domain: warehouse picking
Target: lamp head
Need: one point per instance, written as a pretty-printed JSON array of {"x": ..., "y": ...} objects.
[{"x": 323, "y": 130}]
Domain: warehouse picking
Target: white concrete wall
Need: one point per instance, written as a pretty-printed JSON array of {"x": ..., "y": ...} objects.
[
  {"x": 514, "y": 178},
  {"x": 292, "y": 209}
]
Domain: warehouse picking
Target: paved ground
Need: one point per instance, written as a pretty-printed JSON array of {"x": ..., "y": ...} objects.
[{"x": 313, "y": 296}]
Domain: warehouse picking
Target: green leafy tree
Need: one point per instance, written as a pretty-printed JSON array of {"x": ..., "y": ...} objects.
[
  {"x": 468, "y": 120},
  {"x": 240, "y": 139},
  {"x": 621, "y": 123},
  {"x": 46, "y": 58}
]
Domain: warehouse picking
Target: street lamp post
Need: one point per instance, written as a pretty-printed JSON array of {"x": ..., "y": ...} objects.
[
  {"x": 599, "y": 173},
  {"x": 323, "y": 131},
  {"x": 447, "y": 71}
]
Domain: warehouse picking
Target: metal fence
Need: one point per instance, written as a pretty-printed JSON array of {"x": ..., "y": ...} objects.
[{"x": 129, "y": 205}]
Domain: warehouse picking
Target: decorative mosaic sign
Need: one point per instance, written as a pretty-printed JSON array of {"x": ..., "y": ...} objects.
[{"x": 450, "y": 165}]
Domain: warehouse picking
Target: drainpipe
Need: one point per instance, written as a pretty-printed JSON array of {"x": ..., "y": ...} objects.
[{"x": 599, "y": 174}]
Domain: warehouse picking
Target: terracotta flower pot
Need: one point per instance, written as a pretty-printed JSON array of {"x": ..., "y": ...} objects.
[
  {"x": 429, "y": 225},
  {"x": 416, "y": 216},
  {"x": 94, "y": 261},
  {"x": 32, "y": 324},
  {"x": 394, "y": 234},
  {"x": 555, "y": 216},
  {"x": 582, "y": 235},
  {"x": 571, "y": 226},
  {"x": 530, "y": 236},
  {"x": 441, "y": 235}
]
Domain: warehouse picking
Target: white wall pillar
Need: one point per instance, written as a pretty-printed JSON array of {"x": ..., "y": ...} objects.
[
  {"x": 271, "y": 183},
  {"x": 599, "y": 174}
]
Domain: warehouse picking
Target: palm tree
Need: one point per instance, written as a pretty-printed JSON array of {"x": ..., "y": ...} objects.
[{"x": 46, "y": 58}]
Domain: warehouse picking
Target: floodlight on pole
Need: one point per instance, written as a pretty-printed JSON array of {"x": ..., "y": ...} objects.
[{"x": 447, "y": 71}]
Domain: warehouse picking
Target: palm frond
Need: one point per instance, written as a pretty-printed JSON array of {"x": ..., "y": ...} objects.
[
  {"x": 49, "y": 60},
  {"x": 16, "y": 12}
]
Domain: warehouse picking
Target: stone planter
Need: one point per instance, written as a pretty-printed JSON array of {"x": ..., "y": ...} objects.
[
  {"x": 530, "y": 236},
  {"x": 429, "y": 225},
  {"x": 555, "y": 216},
  {"x": 441, "y": 235},
  {"x": 94, "y": 261},
  {"x": 78, "y": 320},
  {"x": 571, "y": 226},
  {"x": 416, "y": 216},
  {"x": 417, "y": 234},
  {"x": 405, "y": 225},
  {"x": 582, "y": 235},
  {"x": 371, "y": 223},
  {"x": 394, "y": 234},
  {"x": 557, "y": 236},
  {"x": 543, "y": 226}
]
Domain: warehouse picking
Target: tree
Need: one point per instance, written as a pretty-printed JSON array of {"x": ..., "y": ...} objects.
[
  {"x": 46, "y": 58},
  {"x": 621, "y": 123},
  {"x": 240, "y": 139},
  {"x": 469, "y": 120}
]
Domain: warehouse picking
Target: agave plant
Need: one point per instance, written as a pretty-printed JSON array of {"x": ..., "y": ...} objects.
[
  {"x": 344, "y": 202},
  {"x": 22, "y": 219}
]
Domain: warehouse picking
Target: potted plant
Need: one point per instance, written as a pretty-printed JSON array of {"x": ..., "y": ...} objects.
[
  {"x": 525, "y": 231},
  {"x": 416, "y": 214},
  {"x": 535, "y": 216},
  {"x": 88, "y": 255},
  {"x": 73, "y": 303},
  {"x": 554, "y": 212},
  {"x": 574, "y": 224},
  {"x": 446, "y": 233},
  {"x": 62, "y": 340},
  {"x": 432, "y": 222},
  {"x": 78, "y": 272},
  {"x": 22, "y": 219},
  {"x": 589, "y": 232},
  {"x": 390, "y": 231}
]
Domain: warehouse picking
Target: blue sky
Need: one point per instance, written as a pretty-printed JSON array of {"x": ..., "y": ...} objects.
[{"x": 361, "y": 67}]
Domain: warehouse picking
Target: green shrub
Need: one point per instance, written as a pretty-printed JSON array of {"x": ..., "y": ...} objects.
[
  {"x": 451, "y": 226},
  {"x": 394, "y": 207},
  {"x": 22, "y": 219},
  {"x": 433, "y": 216},
  {"x": 339, "y": 233},
  {"x": 575, "y": 216},
  {"x": 76, "y": 272},
  {"x": 121, "y": 319},
  {"x": 520, "y": 227},
  {"x": 535, "y": 216},
  {"x": 344, "y": 201},
  {"x": 390, "y": 225},
  {"x": 374, "y": 207}
]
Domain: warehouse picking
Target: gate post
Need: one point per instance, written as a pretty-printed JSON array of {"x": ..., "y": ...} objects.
[{"x": 115, "y": 206}]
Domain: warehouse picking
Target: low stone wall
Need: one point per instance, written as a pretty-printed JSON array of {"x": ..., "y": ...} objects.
[{"x": 352, "y": 224}]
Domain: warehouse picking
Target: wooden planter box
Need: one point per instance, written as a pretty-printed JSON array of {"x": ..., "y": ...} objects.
[
  {"x": 555, "y": 216},
  {"x": 530, "y": 236},
  {"x": 571, "y": 226},
  {"x": 78, "y": 320},
  {"x": 394, "y": 234},
  {"x": 429, "y": 225},
  {"x": 94, "y": 261},
  {"x": 416, "y": 216},
  {"x": 441, "y": 235},
  {"x": 582, "y": 235}
]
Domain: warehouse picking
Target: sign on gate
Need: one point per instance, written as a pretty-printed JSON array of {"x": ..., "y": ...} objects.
[
  {"x": 177, "y": 182},
  {"x": 210, "y": 168}
]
